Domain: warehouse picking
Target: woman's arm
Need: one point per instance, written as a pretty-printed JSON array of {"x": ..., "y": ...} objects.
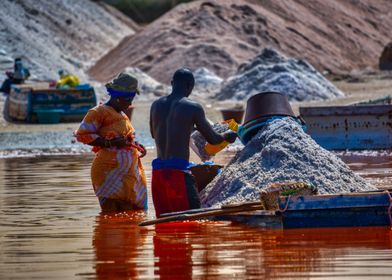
[{"x": 118, "y": 142}]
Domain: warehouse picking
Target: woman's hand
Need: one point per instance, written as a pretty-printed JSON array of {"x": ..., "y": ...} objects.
[{"x": 119, "y": 142}]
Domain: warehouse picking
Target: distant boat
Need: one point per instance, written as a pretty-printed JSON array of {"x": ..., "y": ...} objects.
[
  {"x": 40, "y": 103},
  {"x": 361, "y": 126}
]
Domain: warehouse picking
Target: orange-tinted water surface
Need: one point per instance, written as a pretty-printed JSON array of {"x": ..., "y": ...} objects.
[{"x": 51, "y": 228}]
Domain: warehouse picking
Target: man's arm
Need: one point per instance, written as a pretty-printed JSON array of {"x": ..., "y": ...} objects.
[
  {"x": 204, "y": 127},
  {"x": 151, "y": 109}
]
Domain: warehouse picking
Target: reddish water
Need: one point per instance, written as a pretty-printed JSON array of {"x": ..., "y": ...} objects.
[{"x": 50, "y": 228}]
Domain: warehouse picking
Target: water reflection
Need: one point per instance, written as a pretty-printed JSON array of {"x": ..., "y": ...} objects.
[
  {"x": 115, "y": 240},
  {"x": 50, "y": 228},
  {"x": 377, "y": 169},
  {"x": 223, "y": 251},
  {"x": 173, "y": 250}
]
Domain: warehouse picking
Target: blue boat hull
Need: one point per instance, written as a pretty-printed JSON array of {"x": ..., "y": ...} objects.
[
  {"x": 345, "y": 210},
  {"x": 340, "y": 210}
]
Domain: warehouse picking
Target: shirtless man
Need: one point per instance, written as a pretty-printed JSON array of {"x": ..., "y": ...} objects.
[{"x": 172, "y": 120}]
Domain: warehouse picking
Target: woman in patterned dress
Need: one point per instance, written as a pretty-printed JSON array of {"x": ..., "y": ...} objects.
[{"x": 117, "y": 173}]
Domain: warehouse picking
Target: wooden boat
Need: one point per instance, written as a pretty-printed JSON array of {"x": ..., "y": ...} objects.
[
  {"x": 39, "y": 102},
  {"x": 333, "y": 210},
  {"x": 356, "y": 127}
]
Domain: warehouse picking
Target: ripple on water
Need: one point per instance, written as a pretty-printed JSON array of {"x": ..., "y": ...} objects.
[{"x": 51, "y": 228}]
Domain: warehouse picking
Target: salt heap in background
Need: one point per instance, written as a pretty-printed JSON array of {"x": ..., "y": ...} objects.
[
  {"x": 207, "y": 83},
  {"x": 53, "y": 34},
  {"x": 271, "y": 71},
  {"x": 6, "y": 62},
  {"x": 149, "y": 87},
  {"x": 280, "y": 152}
]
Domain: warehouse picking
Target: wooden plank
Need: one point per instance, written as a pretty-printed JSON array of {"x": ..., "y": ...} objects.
[
  {"x": 225, "y": 206},
  {"x": 259, "y": 218},
  {"x": 191, "y": 211},
  {"x": 197, "y": 216}
]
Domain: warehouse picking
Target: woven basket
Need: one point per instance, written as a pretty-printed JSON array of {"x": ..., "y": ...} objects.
[{"x": 269, "y": 196}]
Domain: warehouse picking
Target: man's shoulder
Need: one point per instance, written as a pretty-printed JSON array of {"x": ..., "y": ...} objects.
[
  {"x": 191, "y": 103},
  {"x": 160, "y": 100}
]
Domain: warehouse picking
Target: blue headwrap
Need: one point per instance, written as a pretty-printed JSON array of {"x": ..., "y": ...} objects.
[{"x": 115, "y": 93}]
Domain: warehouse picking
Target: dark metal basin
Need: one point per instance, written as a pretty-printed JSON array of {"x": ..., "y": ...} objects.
[
  {"x": 204, "y": 174},
  {"x": 267, "y": 104}
]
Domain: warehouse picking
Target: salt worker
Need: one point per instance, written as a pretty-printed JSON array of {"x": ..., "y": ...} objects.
[
  {"x": 117, "y": 172},
  {"x": 19, "y": 76},
  {"x": 67, "y": 80},
  {"x": 172, "y": 120}
]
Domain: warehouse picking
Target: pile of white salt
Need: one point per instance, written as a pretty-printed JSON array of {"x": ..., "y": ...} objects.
[{"x": 281, "y": 151}]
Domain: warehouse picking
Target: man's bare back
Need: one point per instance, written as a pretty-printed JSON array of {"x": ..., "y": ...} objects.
[{"x": 173, "y": 118}]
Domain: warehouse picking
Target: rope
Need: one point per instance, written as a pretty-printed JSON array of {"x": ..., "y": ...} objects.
[
  {"x": 287, "y": 205},
  {"x": 389, "y": 208}
]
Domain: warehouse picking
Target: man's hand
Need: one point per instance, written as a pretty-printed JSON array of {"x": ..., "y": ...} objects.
[{"x": 230, "y": 136}]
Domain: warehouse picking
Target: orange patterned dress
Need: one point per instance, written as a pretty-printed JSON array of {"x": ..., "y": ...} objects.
[{"x": 115, "y": 173}]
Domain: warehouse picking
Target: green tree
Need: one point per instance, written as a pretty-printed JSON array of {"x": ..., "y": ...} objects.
[{"x": 145, "y": 11}]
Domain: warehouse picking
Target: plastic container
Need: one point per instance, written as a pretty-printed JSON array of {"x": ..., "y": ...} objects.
[
  {"x": 214, "y": 149},
  {"x": 49, "y": 116}
]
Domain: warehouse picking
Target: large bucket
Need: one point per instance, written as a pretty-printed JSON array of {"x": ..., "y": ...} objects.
[
  {"x": 266, "y": 104},
  {"x": 260, "y": 108}
]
